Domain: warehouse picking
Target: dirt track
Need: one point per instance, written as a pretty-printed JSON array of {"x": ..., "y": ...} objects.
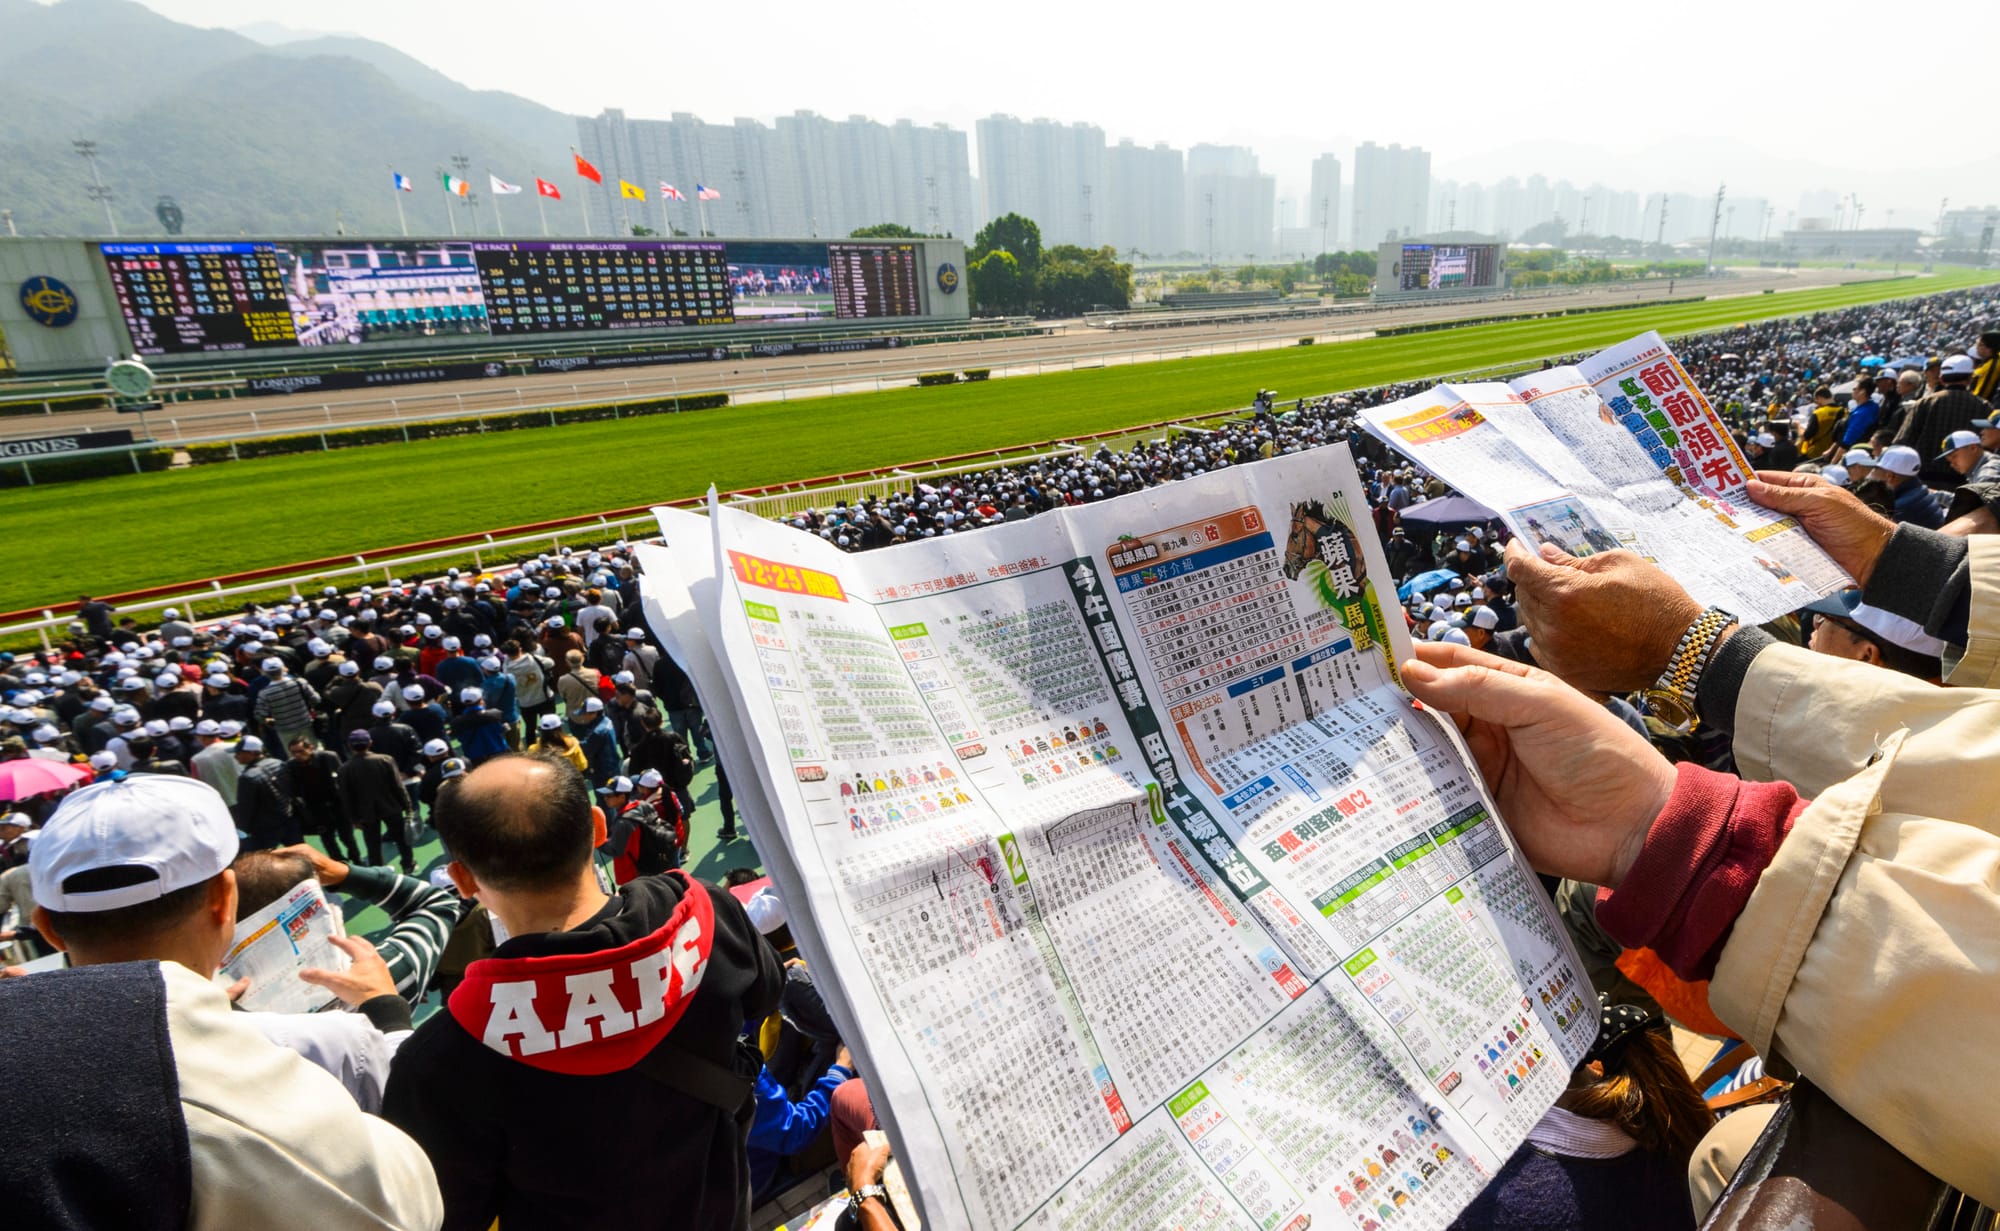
[{"x": 804, "y": 376}]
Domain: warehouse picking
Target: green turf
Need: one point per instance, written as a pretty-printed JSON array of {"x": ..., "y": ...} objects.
[{"x": 110, "y": 535}]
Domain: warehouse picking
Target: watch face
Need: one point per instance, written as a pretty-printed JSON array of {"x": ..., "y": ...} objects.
[{"x": 1670, "y": 708}]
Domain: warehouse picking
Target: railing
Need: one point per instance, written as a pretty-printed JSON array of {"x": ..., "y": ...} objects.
[{"x": 230, "y": 379}]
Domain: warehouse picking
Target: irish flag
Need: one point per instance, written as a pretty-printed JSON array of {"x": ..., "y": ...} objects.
[{"x": 456, "y": 186}]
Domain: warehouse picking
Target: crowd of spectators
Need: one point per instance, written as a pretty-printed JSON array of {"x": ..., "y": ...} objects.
[{"x": 163, "y": 782}]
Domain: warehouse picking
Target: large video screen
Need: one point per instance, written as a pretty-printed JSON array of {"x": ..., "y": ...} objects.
[
  {"x": 1445, "y": 267},
  {"x": 189, "y": 298}
]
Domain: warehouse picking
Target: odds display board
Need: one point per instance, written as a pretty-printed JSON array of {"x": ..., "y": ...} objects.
[{"x": 194, "y": 298}]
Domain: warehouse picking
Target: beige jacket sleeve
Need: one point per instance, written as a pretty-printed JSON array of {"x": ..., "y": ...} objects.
[
  {"x": 1980, "y": 665},
  {"x": 276, "y": 1141},
  {"x": 1868, "y": 956}
]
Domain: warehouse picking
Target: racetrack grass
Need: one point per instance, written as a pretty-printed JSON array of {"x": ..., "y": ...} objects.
[{"x": 103, "y": 536}]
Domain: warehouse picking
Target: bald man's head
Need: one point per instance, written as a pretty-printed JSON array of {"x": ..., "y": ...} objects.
[{"x": 518, "y": 822}]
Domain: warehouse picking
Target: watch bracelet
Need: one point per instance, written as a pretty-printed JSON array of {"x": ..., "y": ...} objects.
[{"x": 1695, "y": 650}]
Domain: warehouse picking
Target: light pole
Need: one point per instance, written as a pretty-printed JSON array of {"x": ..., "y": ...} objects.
[
  {"x": 97, "y": 191},
  {"x": 1714, "y": 221}
]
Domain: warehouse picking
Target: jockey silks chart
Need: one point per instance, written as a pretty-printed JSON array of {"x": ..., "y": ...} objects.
[{"x": 1142, "y": 890}]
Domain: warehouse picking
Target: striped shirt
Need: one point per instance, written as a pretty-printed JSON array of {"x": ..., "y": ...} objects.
[{"x": 422, "y": 915}]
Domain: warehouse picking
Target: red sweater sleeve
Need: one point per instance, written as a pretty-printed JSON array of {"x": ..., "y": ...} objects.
[{"x": 1701, "y": 859}]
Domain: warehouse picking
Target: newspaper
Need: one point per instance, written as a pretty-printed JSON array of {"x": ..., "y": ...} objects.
[
  {"x": 1621, "y": 451},
  {"x": 1141, "y": 889},
  {"x": 273, "y": 945}
]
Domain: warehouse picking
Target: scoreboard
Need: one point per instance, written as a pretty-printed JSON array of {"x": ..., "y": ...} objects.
[
  {"x": 875, "y": 279},
  {"x": 551, "y": 286},
  {"x": 191, "y": 298},
  {"x": 181, "y": 298}
]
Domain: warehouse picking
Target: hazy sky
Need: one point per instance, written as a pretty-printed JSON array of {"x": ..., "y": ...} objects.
[{"x": 1675, "y": 96}]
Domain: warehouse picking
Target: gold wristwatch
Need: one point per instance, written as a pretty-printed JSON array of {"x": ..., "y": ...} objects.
[{"x": 1671, "y": 699}]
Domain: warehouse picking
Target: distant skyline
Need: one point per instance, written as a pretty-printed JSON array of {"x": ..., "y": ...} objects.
[{"x": 1746, "y": 94}]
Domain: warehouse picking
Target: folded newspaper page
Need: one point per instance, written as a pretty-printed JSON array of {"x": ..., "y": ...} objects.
[
  {"x": 1143, "y": 891},
  {"x": 1621, "y": 451},
  {"x": 273, "y": 945}
]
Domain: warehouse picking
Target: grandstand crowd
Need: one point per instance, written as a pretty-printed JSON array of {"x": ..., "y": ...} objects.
[{"x": 163, "y": 782}]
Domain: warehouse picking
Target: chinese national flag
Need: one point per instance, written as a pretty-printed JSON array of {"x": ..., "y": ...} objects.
[
  {"x": 587, "y": 171},
  {"x": 547, "y": 189}
]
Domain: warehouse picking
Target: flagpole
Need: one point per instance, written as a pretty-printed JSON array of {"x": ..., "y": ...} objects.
[
  {"x": 540, "y": 211},
  {"x": 583, "y": 199},
  {"x": 666, "y": 223},
  {"x": 499, "y": 227},
  {"x": 396, "y": 186},
  {"x": 450, "y": 215}
]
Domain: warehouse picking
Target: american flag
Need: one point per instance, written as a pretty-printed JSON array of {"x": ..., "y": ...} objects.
[{"x": 704, "y": 193}]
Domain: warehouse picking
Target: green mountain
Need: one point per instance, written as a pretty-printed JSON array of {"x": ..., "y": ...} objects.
[{"x": 296, "y": 139}]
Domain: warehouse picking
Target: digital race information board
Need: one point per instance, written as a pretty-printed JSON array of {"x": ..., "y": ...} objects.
[{"x": 189, "y": 298}]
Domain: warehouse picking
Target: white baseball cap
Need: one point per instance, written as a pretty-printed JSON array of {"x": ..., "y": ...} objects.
[
  {"x": 250, "y": 743},
  {"x": 451, "y": 643},
  {"x": 549, "y": 722},
  {"x": 620, "y": 785},
  {"x": 1483, "y": 617},
  {"x": 176, "y": 829},
  {"x": 208, "y": 726},
  {"x": 382, "y": 709},
  {"x": 489, "y": 663},
  {"x": 594, "y": 705},
  {"x": 766, "y": 911},
  {"x": 384, "y": 663},
  {"x": 1857, "y": 457},
  {"x": 1957, "y": 365},
  {"x": 471, "y": 694},
  {"x": 271, "y": 666},
  {"x": 102, "y": 761},
  {"x": 1900, "y": 460},
  {"x": 350, "y": 667},
  {"x": 650, "y": 779},
  {"x": 436, "y": 748},
  {"x": 1960, "y": 440},
  {"x": 1836, "y": 475},
  {"x": 230, "y": 727},
  {"x": 413, "y": 692}
]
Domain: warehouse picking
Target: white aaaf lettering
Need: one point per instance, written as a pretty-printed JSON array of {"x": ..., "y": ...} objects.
[
  {"x": 689, "y": 961},
  {"x": 591, "y": 999},
  {"x": 650, "y": 972},
  {"x": 514, "y": 1013}
]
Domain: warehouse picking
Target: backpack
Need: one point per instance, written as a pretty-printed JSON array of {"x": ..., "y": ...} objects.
[{"x": 659, "y": 844}]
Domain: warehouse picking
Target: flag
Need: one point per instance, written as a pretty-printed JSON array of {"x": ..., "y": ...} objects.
[
  {"x": 631, "y": 191},
  {"x": 547, "y": 189},
  {"x": 403, "y": 183},
  {"x": 587, "y": 171},
  {"x": 501, "y": 188},
  {"x": 670, "y": 192},
  {"x": 704, "y": 193},
  {"x": 456, "y": 186}
]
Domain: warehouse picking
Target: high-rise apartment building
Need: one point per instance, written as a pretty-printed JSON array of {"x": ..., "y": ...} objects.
[
  {"x": 1050, "y": 172},
  {"x": 1322, "y": 212},
  {"x": 1391, "y": 193},
  {"x": 1230, "y": 204},
  {"x": 1145, "y": 202},
  {"x": 807, "y": 175}
]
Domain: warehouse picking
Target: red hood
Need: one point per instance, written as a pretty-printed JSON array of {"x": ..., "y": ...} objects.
[{"x": 591, "y": 1013}]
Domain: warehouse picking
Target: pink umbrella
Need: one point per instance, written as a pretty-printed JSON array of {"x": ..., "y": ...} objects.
[{"x": 28, "y": 777}]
